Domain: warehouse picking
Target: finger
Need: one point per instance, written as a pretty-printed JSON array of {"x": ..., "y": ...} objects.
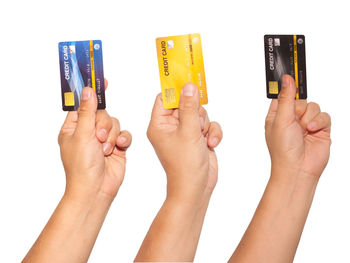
[
  {"x": 124, "y": 140},
  {"x": 273, "y": 107},
  {"x": 106, "y": 83},
  {"x": 109, "y": 145},
  {"x": 312, "y": 110},
  {"x": 87, "y": 113},
  {"x": 271, "y": 114},
  {"x": 175, "y": 113},
  {"x": 214, "y": 134},
  {"x": 189, "y": 109},
  {"x": 70, "y": 122},
  {"x": 158, "y": 108},
  {"x": 322, "y": 121},
  {"x": 68, "y": 126},
  {"x": 103, "y": 125},
  {"x": 204, "y": 120},
  {"x": 300, "y": 108},
  {"x": 286, "y": 99}
]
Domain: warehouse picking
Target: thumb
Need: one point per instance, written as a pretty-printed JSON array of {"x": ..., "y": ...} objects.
[
  {"x": 286, "y": 99},
  {"x": 189, "y": 109},
  {"x": 87, "y": 112}
]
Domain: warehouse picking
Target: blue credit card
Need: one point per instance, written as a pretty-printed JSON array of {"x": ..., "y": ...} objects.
[{"x": 81, "y": 65}]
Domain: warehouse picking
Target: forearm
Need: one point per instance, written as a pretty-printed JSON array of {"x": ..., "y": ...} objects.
[
  {"x": 174, "y": 233},
  {"x": 71, "y": 231},
  {"x": 275, "y": 230}
]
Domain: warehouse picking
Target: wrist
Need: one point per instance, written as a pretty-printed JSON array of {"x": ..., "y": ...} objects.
[
  {"x": 292, "y": 183},
  {"x": 288, "y": 202},
  {"x": 87, "y": 200},
  {"x": 192, "y": 200},
  {"x": 287, "y": 176},
  {"x": 189, "y": 187}
]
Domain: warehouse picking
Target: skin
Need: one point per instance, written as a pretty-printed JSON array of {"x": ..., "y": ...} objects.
[
  {"x": 184, "y": 140},
  {"x": 298, "y": 139},
  {"x": 93, "y": 152}
]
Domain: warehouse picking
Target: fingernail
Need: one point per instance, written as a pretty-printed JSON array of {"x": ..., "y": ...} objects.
[
  {"x": 122, "y": 139},
  {"x": 103, "y": 134},
  {"x": 201, "y": 121},
  {"x": 312, "y": 125},
  {"x": 214, "y": 141},
  {"x": 188, "y": 90},
  {"x": 285, "y": 82},
  {"x": 86, "y": 93},
  {"x": 107, "y": 147}
]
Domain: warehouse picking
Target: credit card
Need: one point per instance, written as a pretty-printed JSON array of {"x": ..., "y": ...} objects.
[
  {"x": 180, "y": 60},
  {"x": 285, "y": 54},
  {"x": 81, "y": 66}
]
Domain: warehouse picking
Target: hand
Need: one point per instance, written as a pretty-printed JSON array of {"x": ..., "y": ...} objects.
[
  {"x": 93, "y": 150},
  {"x": 297, "y": 133},
  {"x": 184, "y": 140}
]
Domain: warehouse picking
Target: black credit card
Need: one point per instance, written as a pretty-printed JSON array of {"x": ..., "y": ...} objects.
[{"x": 285, "y": 54}]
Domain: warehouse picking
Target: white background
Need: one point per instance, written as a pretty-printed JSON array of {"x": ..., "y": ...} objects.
[{"x": 32, "y": 177}]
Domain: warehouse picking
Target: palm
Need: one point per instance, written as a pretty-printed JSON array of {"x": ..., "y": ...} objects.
[{"x": 169, "y": 122}]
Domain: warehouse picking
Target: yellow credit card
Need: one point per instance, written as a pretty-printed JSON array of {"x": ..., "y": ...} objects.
[{"x": 180, "y": 61}]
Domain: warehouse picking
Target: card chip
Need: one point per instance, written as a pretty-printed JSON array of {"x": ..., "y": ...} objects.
[
  {"x": 170, "y": 95},
  {"x": 273, "y": 87},
  {"x": 69, "y": 98}
]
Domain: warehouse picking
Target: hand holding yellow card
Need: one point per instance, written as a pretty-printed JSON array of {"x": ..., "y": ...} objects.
[{"x": 180, "y": 61}]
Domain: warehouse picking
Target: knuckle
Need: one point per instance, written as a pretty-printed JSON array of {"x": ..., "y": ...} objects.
[
  {"x": 268, "y": 121},
  {"x": 328, "y": 116},
  {"x": 203, "y": 111},
  {"x": 62, "y": 135},
  {"x": 314, "y": 105},
  {"x": 60, "y": 138},
  {"x": 128, "y": 137},
  {"x": 283, "y": 96},
  {"x": 101, "y": 122},
  {"x": 82, "y": 108},
  {"x": 189, "y": 105},
  {"x": 102, "y": 115},
  {"x": 112, "y": 141},
  {"x": 188, "y": 109},
  {"x": 216, "y": 124},
  {"x": 150, "y": 130},
  {"x": 159, "y": 96},
  {"x": 115, "y": 121},
  {"x": 148, "y": 134},
  {"x": 326, "y": 119},
  {"x": 107, "y": 123},
  {"x": 83, "y": 112}
]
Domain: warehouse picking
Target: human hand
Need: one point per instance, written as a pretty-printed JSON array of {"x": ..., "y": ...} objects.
[
  {"x": 297, "y": 133},
  {"x": 93, "y": 150},
  {"x": 184, "y": 140}
]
